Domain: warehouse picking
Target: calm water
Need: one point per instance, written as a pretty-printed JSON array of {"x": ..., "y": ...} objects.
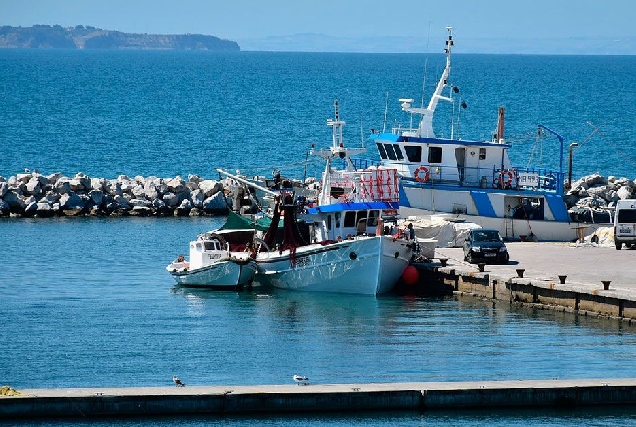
[
  {"x": 167, "y": 113},
  {"x": 87, "y": 302}
]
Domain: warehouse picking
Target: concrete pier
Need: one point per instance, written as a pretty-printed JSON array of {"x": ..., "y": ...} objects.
[
  {"x": 583, "y": 279},
  {"x": 152, "y": 401}
]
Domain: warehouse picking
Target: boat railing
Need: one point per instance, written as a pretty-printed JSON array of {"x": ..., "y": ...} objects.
[
  {"x": 538, "y": 179},
  {"x": 406, "y": 131},
  {"x": 514, "y": 178},
  {"x": 362, "y": 163}
]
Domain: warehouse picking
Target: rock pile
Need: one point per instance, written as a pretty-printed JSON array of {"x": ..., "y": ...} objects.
[
  {"x": 593, "y": 197},
  {"x": 33, "y": 194}
]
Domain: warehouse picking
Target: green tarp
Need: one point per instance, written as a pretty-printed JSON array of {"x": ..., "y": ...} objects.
[{"x": 236, "y": 222}]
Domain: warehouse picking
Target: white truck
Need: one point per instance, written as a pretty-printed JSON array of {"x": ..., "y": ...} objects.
[{"x": 625, "y": 223}]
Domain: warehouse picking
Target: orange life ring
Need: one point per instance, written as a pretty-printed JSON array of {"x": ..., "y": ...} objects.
[
  {"x": 418, "y": 176},
  {"x": 505, "y": 178}
]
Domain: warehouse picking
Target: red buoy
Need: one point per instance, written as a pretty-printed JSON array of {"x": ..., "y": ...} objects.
[{"x": 410, "y": 275}]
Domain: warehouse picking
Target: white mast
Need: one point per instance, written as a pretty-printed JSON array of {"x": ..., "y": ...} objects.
[
  {"x": 426, "y": 123},
  {"x": 337, "y": 150}
]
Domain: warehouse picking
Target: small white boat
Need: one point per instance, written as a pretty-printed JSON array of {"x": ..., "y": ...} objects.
[
  {"x": 349, "y": 246},
  {"x": 218, "y": 259},
  {"x": 474, "y": 179}
]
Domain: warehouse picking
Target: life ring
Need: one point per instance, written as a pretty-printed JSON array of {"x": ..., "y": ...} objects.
[
  {"x": 505, "y": 178},
  {"x": 418, "y": 176}
]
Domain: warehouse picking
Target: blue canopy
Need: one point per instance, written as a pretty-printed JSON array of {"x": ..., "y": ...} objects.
[{"x": 338, "y": 207}]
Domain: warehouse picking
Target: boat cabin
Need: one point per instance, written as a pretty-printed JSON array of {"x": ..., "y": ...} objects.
[
  {"x": 446, "y": 161},
  {"x": 342, "y": 221},
  {"x": 217, "y": 246}
]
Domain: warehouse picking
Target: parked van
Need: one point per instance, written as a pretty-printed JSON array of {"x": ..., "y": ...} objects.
[{"x": 625, "y": 223}]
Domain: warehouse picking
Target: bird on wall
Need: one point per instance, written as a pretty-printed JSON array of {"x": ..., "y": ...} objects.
[
  {"x": 177, "y": 381},
  {"x": 301, "y": 380}
]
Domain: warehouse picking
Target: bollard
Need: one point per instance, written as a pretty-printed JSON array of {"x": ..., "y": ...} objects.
[
  {"x": 523, "y": 237},
  {"x": 520, "y": 271},
  {"x": 562, "y": 279},
  {"x": 443, "y": 261},
  {"x": 481, "y": 266},
  {"x": 606, "y": 284}
]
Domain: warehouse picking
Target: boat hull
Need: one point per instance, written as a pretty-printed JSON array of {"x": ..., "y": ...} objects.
[
  {"x": 489, "y": 209},
  {"x": 228, "y": 274},
  {"x": 367, "y": 265}
]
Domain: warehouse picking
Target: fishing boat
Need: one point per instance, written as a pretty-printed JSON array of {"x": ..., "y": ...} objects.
[
  {"x": 223, "y": 259},
  {"x": 345, "y": 240},
  {"x": 473, "y": 180}
]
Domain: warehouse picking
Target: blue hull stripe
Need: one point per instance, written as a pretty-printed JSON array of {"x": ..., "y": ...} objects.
[
  {"x": 559, "y": 211},
  {"x": 404, "y": 201},
  {"x": 482, "y": 201}
]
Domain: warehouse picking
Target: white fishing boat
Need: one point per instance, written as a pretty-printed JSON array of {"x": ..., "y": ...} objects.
[
  {"x": 349, "y": 246},
  {"x": 474, "y": 180},
  {"x": 218, "y": 259}
]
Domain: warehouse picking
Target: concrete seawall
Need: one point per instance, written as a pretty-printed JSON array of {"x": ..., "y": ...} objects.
[
  {"x": 151, "y": 401},
  {"x": 559, "y": 276}
]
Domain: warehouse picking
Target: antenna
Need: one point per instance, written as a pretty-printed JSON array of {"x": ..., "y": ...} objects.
[
  {"x": 361, "y": 133},
  {"x": 386, "y": 111}
]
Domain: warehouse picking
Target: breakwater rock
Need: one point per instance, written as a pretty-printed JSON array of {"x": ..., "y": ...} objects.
[
  {"x": 32, "y": 194},
  {"x": 592, "y": 198}
]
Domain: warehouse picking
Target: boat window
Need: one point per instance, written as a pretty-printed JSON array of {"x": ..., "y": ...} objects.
[
  {"x": 381, "y": 150},
  {"x": 329, "y": 222},
  {"x": 390, "y": 152},
  {"x": 361, "y": 215},
  {"x": 435, "y": 154},
  {"x": 209, "y": 246},
  {"x": 482, "y": 154},
  {"x": 350, "y": 219},
  {"x": 398, "y": 152},
  {"x": 373, "y": 218},
  {"x": 413, "y": 153}
]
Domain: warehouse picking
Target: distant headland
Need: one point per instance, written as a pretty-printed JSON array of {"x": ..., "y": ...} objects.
[{"x": 87, "y": 37}]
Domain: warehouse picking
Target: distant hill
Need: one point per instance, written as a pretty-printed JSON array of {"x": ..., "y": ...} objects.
[{"x": 81, "y": 37}]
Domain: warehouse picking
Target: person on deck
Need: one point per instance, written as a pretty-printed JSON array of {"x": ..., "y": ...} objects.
[{"x": 411, "y": 231}]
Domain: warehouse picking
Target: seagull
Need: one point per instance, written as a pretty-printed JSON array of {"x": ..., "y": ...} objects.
[
  {"x": 177, "y": 381},
  {"x": 301, "y": 380}
]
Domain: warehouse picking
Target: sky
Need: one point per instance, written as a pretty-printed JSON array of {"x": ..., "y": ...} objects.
[{"x": 252, "y": 19}]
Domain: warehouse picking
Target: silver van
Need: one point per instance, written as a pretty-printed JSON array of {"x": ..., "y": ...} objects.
[{"x": 625, "y": 223}]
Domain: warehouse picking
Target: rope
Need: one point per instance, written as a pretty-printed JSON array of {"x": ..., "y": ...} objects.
[
  {"x": 619, "y": 152},
  {"x": 5, "y": 390}
]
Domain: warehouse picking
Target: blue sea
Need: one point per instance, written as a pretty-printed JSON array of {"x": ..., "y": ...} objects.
[{"x": 86, "y": 302}]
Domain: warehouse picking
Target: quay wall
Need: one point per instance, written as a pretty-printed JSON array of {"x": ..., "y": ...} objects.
[
  {"x": 492, "y": 395},
  {"x": 587, "y": 296}
]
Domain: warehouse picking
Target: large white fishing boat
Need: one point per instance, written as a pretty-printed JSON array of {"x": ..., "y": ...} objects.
[
  {"x": 474, "y": 180},
  {"x": 348, "y": 246},
  {"x": 218, "y": 259}
]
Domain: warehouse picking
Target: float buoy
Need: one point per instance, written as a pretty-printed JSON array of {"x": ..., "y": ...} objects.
[{"x": 410, "y": 275}]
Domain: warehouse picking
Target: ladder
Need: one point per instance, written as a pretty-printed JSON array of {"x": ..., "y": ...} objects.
[{"x": 509, "y": 226}]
